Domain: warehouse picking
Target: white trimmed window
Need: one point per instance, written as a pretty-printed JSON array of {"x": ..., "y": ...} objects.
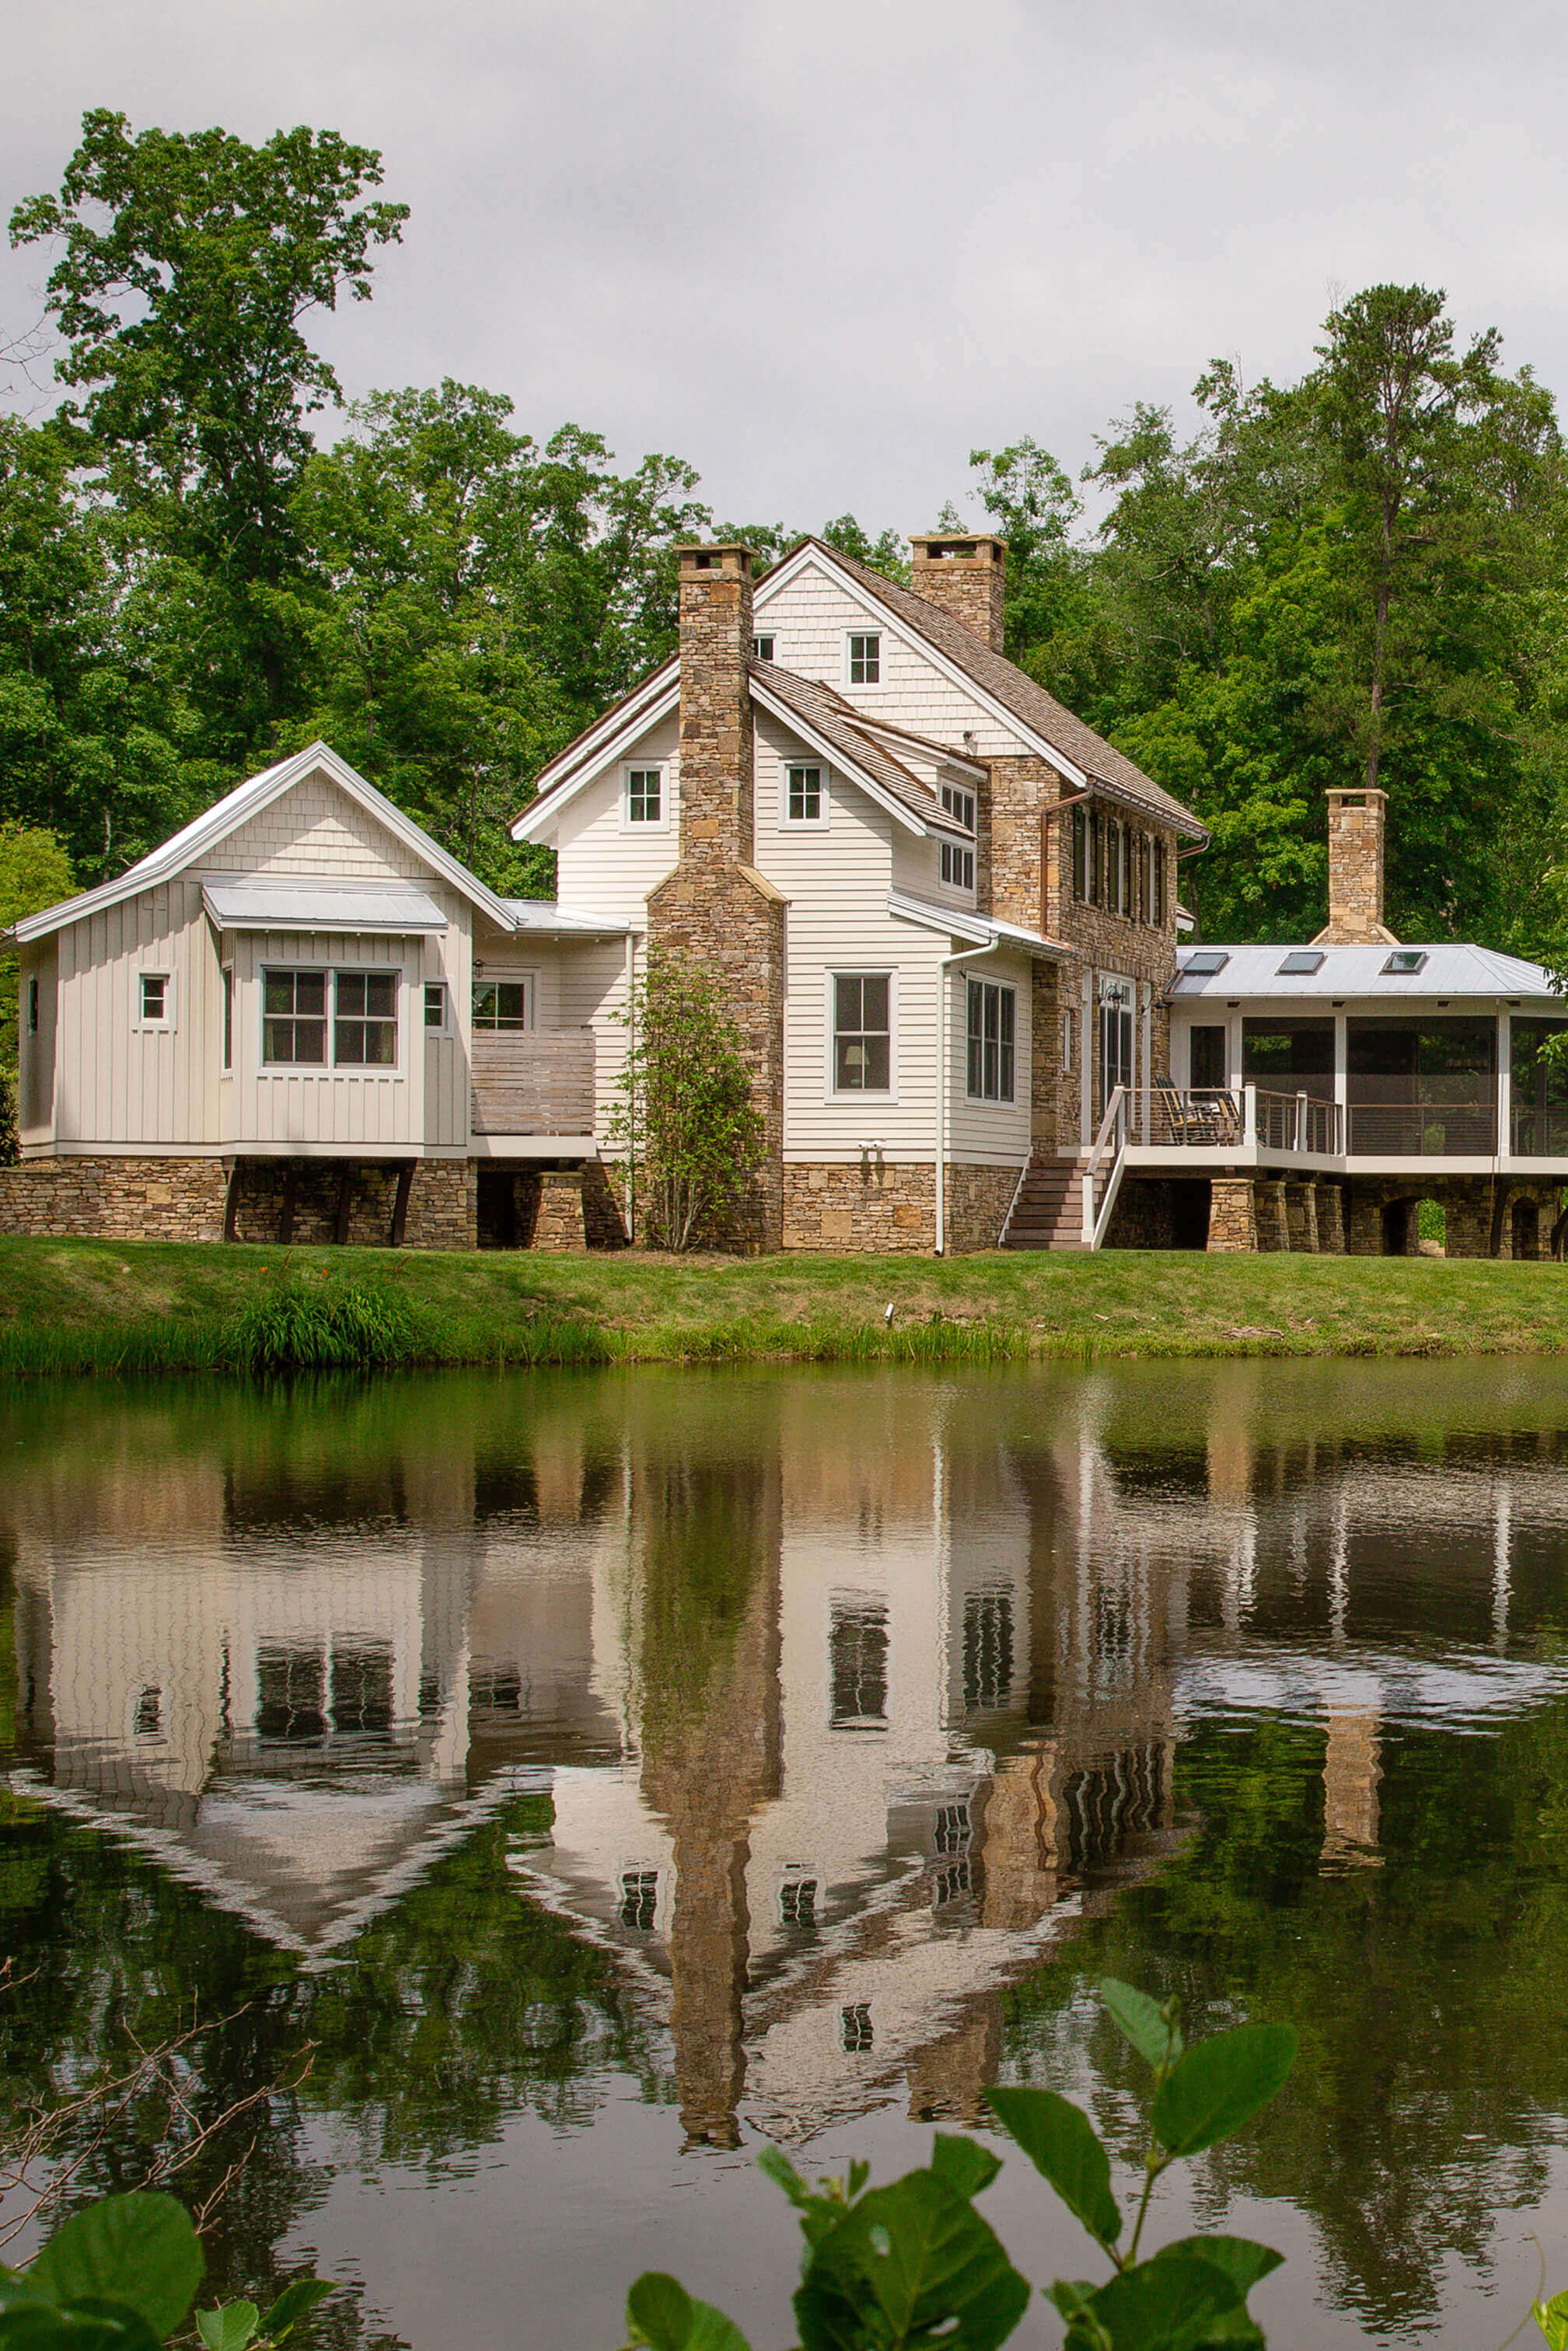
[
  {"x": 865, "y": 658},
  {"x": 364, "y": 1029},
  {"x": 156, "y": 999},
  {"x": 33, "y": 1006},
  {"x": 762, "y": 648},
  {"x": 804, "y": 797},
  {"x": 502, "y": 1003},
  {"x": 861, "y": 1005},
  {"x": 436, "y": 1001},
  {"x": 957, "y": 865},
  {"x": 228, "y": 1016},
  {"x": 294, "y": 1018},
  {"x": 993, "y": 1017},
  {"x": 644, "y": 805}
]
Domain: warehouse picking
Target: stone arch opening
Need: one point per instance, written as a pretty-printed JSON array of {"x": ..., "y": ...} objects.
[
  {"x": 1431, "y": 1228},
  {"x": 1399, "y": 1228},
  {"x": 1525, "y": 1228}
]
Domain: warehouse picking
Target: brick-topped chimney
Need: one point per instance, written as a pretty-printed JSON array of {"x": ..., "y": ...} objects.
[
  {"x": 965, "y": 576},
  {"x": 1355, "y": 872},
  {"x": 716, "y": 752}
]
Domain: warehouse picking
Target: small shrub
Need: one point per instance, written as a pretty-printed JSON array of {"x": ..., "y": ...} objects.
[{"x": 692, "y": 1133}]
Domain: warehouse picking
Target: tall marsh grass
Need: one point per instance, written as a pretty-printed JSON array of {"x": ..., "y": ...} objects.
[{"x": 304, "y": 1326}]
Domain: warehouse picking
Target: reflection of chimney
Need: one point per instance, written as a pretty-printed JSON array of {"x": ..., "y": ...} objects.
[
  {"x": 1355, "y": 872},
  {"x": 949, "y": 2079},
  {"x": 1353, "y": 1768},
  {"x": 965, "y": 577}
]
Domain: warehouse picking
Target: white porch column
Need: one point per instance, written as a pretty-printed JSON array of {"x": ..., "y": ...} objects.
[
  {"x": 1086, "y": 1062},
  {"x": 1504, "y": 1085},
  {"x": 1342, "y": 1077},
  {"x": 1148, "y": 1071}
]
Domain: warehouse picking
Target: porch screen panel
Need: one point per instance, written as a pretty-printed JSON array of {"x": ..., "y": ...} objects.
[
  {"x": 1422, "y": 1088},
  {"x": 1539, "y": 1090},
  {"x": 1288, "y": 1057}
]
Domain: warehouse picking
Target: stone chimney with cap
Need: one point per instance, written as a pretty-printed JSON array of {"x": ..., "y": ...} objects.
[
  {"x": 1355, "y": 872},
  {"x": 715, "y": 909},
  {"x": 965, "y": 575}
]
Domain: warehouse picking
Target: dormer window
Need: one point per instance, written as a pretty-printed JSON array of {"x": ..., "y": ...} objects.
[
  {"x": 960, "y": 805},
  {"x": 762, "y": 649},
  {"x": 865, "y": 659}
]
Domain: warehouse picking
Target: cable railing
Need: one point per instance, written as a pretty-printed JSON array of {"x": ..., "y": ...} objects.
[{"x": 1219, "y": 1118}]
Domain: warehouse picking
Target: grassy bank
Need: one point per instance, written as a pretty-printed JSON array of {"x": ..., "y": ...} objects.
[{"x": 96, "y": 1306}]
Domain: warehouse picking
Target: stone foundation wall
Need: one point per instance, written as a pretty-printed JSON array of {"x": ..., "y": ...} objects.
[
  {"x": 1478, "y": 1212},
  {"x": 891, "y": 1210},
  {"x": 113, "y": 1198},
  {"x": 1143, "y": 1216}
]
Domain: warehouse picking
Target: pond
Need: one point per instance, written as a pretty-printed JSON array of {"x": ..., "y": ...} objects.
[{"x": 548, "y": 1788}]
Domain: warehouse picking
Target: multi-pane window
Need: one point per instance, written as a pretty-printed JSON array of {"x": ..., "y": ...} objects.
[
  {"x": 865, "y": 660},
  {"x": 862, "y": 1032},
  {"x": 638, "y": 1899},
  {"x": 1080, "y": 855},
  {"x": 1114, "y": 844},
  {"x": 644, "y": 796},
  {"x": 855, "y": 2028},
  {"x": 1159, "y": 913},
  {"x": 957, "y": 865},
  {"x": 364, "y": 1031},
  {"x": 1068, "y": 1042},
  {"x": 951, "y": 1830},
  {"x": 857, "y": 1661},
  {"x": 155, "y": 993},
  {"x": 435, "y": 1004},
  {"x": 228, "y": 1016},
  {"x": 960, "y": 805},
  {"x": 987, "y": 1650},
  {"x": 762, "y": 648},
  {"x": 500, "y": 1004},
  {"x": 992, "y": 1015},
  {"x": 803, "y": 796},
  {"x": 31, "y": 1008},
  {"x": 1096, "y": 857},
  {"x": 294, "y": 1018}
]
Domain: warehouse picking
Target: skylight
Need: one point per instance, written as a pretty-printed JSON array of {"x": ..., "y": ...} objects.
[
  {"x": 1302, "y": 959},
  {"x": 1205, "y": 963},
  {"x": 1405, "y": 960}
]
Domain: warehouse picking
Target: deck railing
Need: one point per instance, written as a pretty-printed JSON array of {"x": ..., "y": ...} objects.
[
  {"x": 539, "y": 1081},
  {"x": 1426, "y": 1117},
  {"x": 1219, "y": 1118}
]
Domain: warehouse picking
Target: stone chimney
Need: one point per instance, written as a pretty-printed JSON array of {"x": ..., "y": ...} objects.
[
  {"x": 1355, "y": 872},
  {"x": 716, "y": 909},
  {"x": 965, "y": 576},
  {"x": 717, "y": 744}
]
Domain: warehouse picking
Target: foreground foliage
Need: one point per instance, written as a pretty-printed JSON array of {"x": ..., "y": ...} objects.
[
  {"x": 686, "y": 1118},
  {"x": 121, "y": 2275},
  {"x": 889, "y": 2269}
]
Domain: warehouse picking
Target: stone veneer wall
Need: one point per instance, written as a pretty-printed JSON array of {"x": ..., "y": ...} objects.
[
  {"x": 1474, "y": 1209},
  {"x": 716, "y": 909},
  {"x": 443, "y": 1202},
  {"x": 114, "y": 1199},
  {"x": 891, "y": 1209}
]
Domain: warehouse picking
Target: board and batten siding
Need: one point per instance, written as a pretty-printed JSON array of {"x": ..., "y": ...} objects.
[
  {"x": 120, "y": 1086},
  {"x": 303, "y": 1108},
  {"x": 35, "y": 1051}
]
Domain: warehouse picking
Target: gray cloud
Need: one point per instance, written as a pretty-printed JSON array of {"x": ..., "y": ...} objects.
[{"x": 823, "y": 250}]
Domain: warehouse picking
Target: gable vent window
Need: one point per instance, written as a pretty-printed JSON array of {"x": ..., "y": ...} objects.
[
  {"x": 865, "y": 661},
  {"x": 762, "y": 648},
  {"x": 364, "y": 1034},
  {"x": 803, "y": 796}
]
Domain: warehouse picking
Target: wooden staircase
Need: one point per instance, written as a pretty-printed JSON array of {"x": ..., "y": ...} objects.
[{"x": 1048, "y": 1213}]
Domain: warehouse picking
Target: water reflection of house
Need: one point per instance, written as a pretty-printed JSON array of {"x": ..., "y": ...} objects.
[{"x": 851, "y": 1701}]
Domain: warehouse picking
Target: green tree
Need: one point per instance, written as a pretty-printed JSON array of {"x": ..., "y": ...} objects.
[{"x": 190, "y": 379}]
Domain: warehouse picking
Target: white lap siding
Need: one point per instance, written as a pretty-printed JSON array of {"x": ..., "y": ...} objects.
[
  {"x": 603, "y": 868},
  {"x": 809, "y": 619},
  {"x": 981, "y": 1132}
]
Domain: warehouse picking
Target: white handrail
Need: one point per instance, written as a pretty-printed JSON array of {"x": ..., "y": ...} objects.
[
  {"x": 1018, "y": 1195},
  {"x": 1113, "y": 1123}
]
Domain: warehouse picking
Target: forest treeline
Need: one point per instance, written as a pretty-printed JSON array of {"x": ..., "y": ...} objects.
[{"x": 207, "y": 559}]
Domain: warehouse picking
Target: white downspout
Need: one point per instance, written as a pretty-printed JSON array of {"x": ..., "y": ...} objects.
[
  {"x": 944, "y": 1022},
  {"x": 630, "y": 1099}
]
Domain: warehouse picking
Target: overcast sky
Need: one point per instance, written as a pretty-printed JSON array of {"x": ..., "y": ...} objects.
[{"x": 824, "y": 249}]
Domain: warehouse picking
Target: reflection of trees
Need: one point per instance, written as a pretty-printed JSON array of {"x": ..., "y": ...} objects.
[
  {"x": 464, "y": 2004},
  {"x": 1427, "y": 1993}
]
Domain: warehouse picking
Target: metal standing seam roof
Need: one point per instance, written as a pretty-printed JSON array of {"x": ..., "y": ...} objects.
[
  {"x": 305, "y": 907},
  {"x": 1018, "y": 693},
  {"x": 1452, "y": 969}
]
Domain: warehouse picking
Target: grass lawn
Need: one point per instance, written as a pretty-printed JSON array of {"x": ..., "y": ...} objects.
[{"x": 154, "y": 1306}]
